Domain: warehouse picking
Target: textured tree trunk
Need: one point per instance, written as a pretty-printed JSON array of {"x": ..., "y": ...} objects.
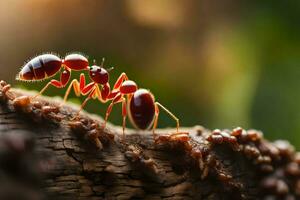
[{"x": 46, "y": 154}]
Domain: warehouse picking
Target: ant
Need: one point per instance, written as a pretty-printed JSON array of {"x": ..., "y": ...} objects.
[{"x": 138, "y": 104}]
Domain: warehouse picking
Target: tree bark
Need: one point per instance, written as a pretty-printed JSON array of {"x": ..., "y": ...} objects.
[{"x": 47, "y": 154}]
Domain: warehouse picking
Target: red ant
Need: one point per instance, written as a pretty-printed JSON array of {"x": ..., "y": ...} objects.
[{"x": 143, "y": 111}]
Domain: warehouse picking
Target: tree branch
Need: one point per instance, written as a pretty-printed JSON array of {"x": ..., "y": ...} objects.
[{"x": 45, "y": 153}]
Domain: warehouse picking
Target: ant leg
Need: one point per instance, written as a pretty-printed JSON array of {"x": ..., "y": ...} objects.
[
  {"x": 123, "y": 77},
  {"x": 79, "y": 87},
  {"x": 155, "y": 121},
  {"x": 53, "y": 82},
  {"x": 124, "y": 114},
  {"x": 84, "y": 102},
  {"x": 64, "y": 79},
  {"x": 42, "y": 90},
  {"x": 101, "y": 94},
  {"x": 178, "y": 136},
  {"x": 171, "y": 114},
  {"x": 76, "y": 87},
  {"x": 116, "y": 89},
  {"x": 88, "y": 88},
  {"x": 109, "y": 109},
  {"x": 85, "y": 88},
  {"x": 82, "y": 81}
]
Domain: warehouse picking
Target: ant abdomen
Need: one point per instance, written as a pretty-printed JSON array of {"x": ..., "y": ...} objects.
[
  {"x": 142, "y": 109},
  {"x": 40, "y": 67}
]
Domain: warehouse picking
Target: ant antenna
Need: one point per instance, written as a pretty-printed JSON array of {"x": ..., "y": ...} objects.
[
  {"x": 94, "y": 61},
  {"x": 110, "y": 69},
  {"x": 102, "y": 63}
]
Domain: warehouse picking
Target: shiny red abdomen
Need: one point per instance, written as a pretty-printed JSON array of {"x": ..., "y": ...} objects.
[
  {"x": 40, "y": 67},
  {"x": 76, "y": 62},
  {"x": 142, "y": 109}
]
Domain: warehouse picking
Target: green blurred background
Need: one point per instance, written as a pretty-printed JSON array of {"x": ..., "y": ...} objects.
[{"x": 220, "y": 64}]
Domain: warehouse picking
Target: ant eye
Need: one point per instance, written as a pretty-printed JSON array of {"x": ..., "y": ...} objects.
[{"x": 98, "y": 75}]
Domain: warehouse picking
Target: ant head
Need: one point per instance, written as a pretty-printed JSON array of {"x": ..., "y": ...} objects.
[{"x": 98, "y": 74}]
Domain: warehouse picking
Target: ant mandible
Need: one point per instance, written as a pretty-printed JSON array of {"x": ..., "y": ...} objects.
[{"x": 139, "y": 104}]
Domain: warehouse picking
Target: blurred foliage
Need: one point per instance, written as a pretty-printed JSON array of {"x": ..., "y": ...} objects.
[{"x": 217, "y": 63}]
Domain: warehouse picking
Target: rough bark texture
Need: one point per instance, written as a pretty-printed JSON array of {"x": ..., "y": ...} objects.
[{"x": 46, "y": 154}]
